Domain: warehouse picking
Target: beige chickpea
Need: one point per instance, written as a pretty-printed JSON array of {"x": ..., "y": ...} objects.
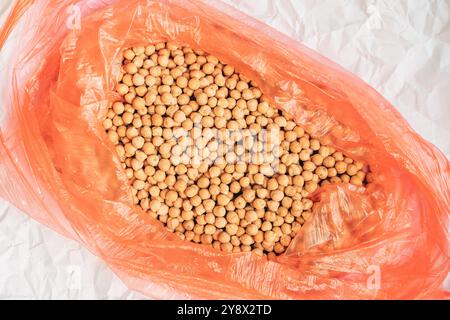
[
  {"x": 356, "y": 180},
  {"x": 138, "y": 142},
  {"x": 321, "y": 172},
  {"x": 194, "y": 84},
  {"x": 130, "y": 68},
  {"x": 311, "y": 186},
  {"x": 113, "y": 136},
  {"x": 232, "y": 217},
  {"x": 341, "y": 167},
  {"x": 332, "y": 172},
  {"x": 174, "y": 98},
  {"x": 345, "y": 178},
  {"x": 129, "y": 54},
  {"x": 206, "y": 239},
  {"x": 246, "y": 239},
  {"x": 224, "y": 237},
  {"x": 251, "y": 229},
  {"x": 309, "y": 166},
  {"x": 251, "y": 216},
  {"x": 220, "y": 222},
  {"x": 138, "y": 79},
  {"x": 338, "y": 156},
  {"x": 122, "y": 89},
  {"x": 191, "y": 191},
  {"x": 352, "y": 169},
  {"x": 209, "y": 229},
  {"x": 277, "y": 195},
  {"x": 118, "y": 107},
  {"x": 222, "y": 200},
  {"x": 231, "y": 229},
  {"x": 172, "y": 223}
]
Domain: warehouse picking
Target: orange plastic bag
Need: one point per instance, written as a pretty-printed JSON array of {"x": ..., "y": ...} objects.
[{"x": 388, "y": 240}]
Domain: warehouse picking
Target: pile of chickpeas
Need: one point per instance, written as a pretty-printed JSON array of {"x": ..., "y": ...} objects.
[{"x": 210, "y": 158}]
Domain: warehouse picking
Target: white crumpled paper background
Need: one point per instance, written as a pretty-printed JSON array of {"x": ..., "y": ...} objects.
[{"x": 401, "y": 48}]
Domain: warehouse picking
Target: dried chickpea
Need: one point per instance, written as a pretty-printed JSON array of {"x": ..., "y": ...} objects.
[{"x": 226, "y": 191}]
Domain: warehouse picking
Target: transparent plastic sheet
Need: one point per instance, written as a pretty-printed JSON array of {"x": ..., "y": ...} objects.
[{"x": 56, "y": 163}]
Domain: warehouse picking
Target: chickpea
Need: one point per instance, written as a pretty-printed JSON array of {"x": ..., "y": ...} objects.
[
  {"x": 311, "y": 186},
  {"x": 246, "y": 240},
  {"x": 352, "y": 169},
  {"x": 191, "y": 191},
  {"x": 341, "y": 167},
  {"x": 224, "y": 237},
  {"x": 209, "y": 229},
  {"x": 356, "y": 180},
  {"x": 130, "y": 68},
  {"x": 259, "y": 204},
  {"x": 220, "y": 222},
  {"x": 251, "y": 229},
  {"x": 361, "y": 174},
  {"x": 172, "y": 223},
  {"x": 222, "y": 200},
  {"x": 277, "y": 195},
  {"x": 309, "y": 166},
  {"x": 242, "y": 195}
]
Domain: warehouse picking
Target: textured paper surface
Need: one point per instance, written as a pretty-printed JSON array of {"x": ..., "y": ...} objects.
[{"x": 401, "y": 48}]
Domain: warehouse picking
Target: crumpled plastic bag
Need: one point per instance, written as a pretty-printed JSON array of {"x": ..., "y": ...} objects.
[{"x": 386, "y": 241}]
